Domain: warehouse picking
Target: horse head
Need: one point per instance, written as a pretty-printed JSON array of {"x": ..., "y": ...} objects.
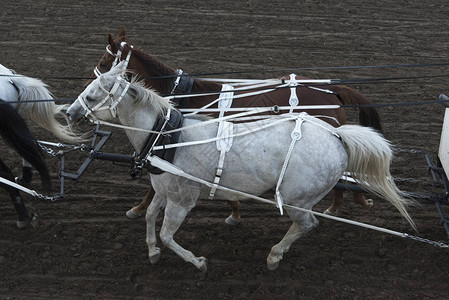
[
  {"x": 101, "y": 97},
  {"x": 116, "y": 51},
  {"x": 156, "y": 74}
]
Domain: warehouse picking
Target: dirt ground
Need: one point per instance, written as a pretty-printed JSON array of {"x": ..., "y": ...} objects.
[{"x": 84, "y": 246}]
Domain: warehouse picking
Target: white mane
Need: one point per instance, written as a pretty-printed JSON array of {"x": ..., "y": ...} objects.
[{"x": 142, "y": 95}]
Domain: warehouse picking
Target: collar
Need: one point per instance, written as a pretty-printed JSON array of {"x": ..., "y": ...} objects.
[{"x": 172, "y": 120}]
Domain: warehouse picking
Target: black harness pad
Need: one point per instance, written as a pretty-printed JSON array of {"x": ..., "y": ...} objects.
[
  {"x": 184, "y": 88},
  {"x": 175, "y": 122}
]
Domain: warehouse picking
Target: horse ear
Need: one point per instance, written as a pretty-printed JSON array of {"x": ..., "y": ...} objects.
[
  {"x": 111, "y": 43},
  {"x": 122, "y": 32}
]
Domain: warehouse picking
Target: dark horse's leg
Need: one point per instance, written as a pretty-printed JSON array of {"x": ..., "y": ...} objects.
[
  {"x": 27, "y": 174},
  {"x": 361, "y": 199},
  {"x": 338, "y": 201},
  {"x": 138, "y": 210},
  {"x": 234, "y": 218},
  {"x": 368, "y": 116},
  {"x": 25, "y": 217}
]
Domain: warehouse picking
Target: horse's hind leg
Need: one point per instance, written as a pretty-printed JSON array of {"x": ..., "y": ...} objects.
[
  {"x": 337, "y": 201},
  {"x": 174, "y": 216},
  {"x": 155, "y": 207},
  {"x": 25, "y": 217},
  {"x": 234, "y": 218},
  {"x": 361, "y": 199},
  {"x": 138, "y": 210},
  {"x": 301, "y": 225}
]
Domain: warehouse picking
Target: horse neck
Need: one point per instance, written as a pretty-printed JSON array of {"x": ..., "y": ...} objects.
[
  {"x": 200, "y": 86},
  {"x": 148, "y": 67},
  {"x": 136, "y": 116}
]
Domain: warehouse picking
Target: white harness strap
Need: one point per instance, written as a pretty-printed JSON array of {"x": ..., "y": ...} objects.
[
  {"x": 224, "y": 144},
  {"x": 110, "y": 96},
  {"x": 296, "y": 135},
  {"x": 225, "y": 99},
  {"x": 224, "y": 133},
  {"x": 293, "y": 101}
]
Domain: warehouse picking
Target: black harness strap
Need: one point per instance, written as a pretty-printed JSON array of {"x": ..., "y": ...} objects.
[
  {"x": 184, "y": 87},
  {"x": 175, "y": 121}
]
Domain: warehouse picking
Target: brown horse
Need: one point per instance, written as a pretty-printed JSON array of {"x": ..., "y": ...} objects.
[{"x": 166, "y": 80}]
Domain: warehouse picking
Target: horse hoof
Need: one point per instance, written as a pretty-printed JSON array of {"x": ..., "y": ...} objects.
[
  {"x": 272, "y": 266},
  {"x": 155, "y": 257},
  {"x": 369, "y": 203},
  {"x": 32, "y": 221},
  {"x": 132, "y": 215},
  {"x": 22, "y": 224},
  {"x": 202, "y": 266},
  {"x": 232, "y": 221},
  {"x": 328, "y": 212}
]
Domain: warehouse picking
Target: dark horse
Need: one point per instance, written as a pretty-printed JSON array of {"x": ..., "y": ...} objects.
[
  {"x": 15, "y": 132},
  {"x": 165, "y": 80}
]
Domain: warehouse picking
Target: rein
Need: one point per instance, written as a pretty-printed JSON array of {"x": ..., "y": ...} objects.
[
  {"x": 168, "y": 167},
  {"x": 182, "y": 84}
]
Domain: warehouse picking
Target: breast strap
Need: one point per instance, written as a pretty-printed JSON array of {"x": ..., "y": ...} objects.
[{"x": 173, "y": 121}]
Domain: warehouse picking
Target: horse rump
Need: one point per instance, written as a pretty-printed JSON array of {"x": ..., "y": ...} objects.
[{"x": 368, "y": 116}]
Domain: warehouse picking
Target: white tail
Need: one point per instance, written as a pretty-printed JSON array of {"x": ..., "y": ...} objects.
[
  {"x": 42, "y": 113},
  {"x": 369, "y": 160}
]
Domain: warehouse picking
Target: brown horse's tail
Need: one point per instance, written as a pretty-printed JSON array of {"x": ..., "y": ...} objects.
[{"x": 368, "y": 116}]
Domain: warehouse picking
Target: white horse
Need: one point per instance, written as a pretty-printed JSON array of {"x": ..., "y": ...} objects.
[
  {"x": 319, "y": 156},
  {"x": 19, "y": 89}
]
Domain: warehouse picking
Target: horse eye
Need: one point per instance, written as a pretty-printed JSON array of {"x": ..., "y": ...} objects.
[
  {"x": 102, "y": 65},
  {"x": 89, "y": 98}
]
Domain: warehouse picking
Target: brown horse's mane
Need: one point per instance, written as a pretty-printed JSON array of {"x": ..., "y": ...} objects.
[
  {"x": 203, "y": 85},
  {"x": 153, "y": 66},
  {"x": 157, "y": 68}
]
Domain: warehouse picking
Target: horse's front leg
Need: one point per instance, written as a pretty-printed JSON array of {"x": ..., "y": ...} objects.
[
  {"x": 155, "y": 207},
  {"x": 138, "y": 210},
  {"x": 174, "y": 216}
]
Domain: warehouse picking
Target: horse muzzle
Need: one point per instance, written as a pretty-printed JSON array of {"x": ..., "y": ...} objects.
[{"x": 75, "y": 113}]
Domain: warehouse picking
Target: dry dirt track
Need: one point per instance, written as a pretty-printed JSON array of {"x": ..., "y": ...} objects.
[{"x": 85, "y": 247}]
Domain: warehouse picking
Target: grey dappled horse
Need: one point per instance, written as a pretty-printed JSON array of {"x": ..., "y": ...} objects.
[{"x": 318, "y": 158}]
